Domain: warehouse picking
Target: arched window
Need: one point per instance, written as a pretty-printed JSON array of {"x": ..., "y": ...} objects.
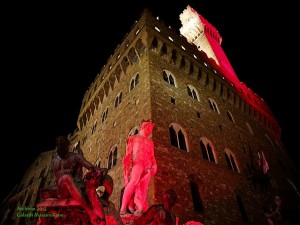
[
  {"x": 207, "y": 150},
  {"x": 182, "y": 63},
  {"x": 164, "y": 50},
  {"x": 192, "y": 92},
  {"x": 196, "y": 194},
  {"x": 98, "y": 163},
  {"x": 213, "y": 105},
  {"x": 230, "y": 159},
  {"x": 174, "y": 56},
  {"x": 242, "y": 208},
  {"x": 140, "y": 47},
  {"x": 249, "y": 128},
  {"x": 133, "y": 56},
  {"x": 104, "y": 115},
  {"x": 94, "y": 127},
  {"x": 134, "y": 81},
  {"x": 168, "y": 77},
  {"x": 230, "y": 117},
  {"x": 84, "y": 140},
  {"x": 133, "y": 131},
  {"x": 118, "y": 99},
  {"x": 191, "y": 69},
  {"x": 154, "y": 43},
  {"x": 199, "y": 75},
  {"x": 197, "y": 201},
  {"x": 270, "y": 141},
  {"x": 76, "y": 148},
  {"x": 214, "y": 85},
  {"x": 177, "y": 137},
  {"x": 112, "y": 158},
  {"x": 125, "y": 63}
]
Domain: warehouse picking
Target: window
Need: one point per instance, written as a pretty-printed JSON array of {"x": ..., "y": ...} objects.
[
  {"x": 133, "y": 131},
  {"x": 112, "y": 158},
  {"x": 177, "y": 137},
  {"x": 173, "y": 100},
  {"x": 174, "y": 56},
  {"x": 230, "y": 159},
  {"x": 192, "y": 92},
  {"x": 197, "y": 201},
  {"x": 164, "y": 50},
  {"x": 104, "y": 115},
  {"x": 76, "y": 148},
  {"x": 270, "y": 141},
  {"x": 213, "y": 105},
  {"x": 154, "y": 43},
  {"x": 214, "y": 87},
  {"x": 98, "y": 163},
  {"x": 168, "y": 77},
  {"x": 125, "y": 63},
  {"x": 229, "y": 115},
  {"x": 140, "y": 47},
  {"x": 249, "y": 128},
  {"x": 182, "y": 63},
  {"x": 196, "y": 194},
  {"x": 242, "y": 208},
  {"x": 206, "y": 148},
  {"x": 191, "y": 69},
  {"x": 94, "y": 127},
  {"x": 84, "y": 140},
  {"x": 118, "y": 99},
  {"x": 134, "y": 81},
  {"x": 133, "y": 56},
  {"x": 199, "y": 75}
]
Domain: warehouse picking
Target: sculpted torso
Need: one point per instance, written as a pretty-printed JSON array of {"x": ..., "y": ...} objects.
[
  {"x": 70, "y": 165},
  {"x": 142, "y": 149}
]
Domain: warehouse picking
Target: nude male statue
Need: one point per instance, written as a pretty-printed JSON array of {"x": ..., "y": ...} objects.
[
  {"x": 67, "y": 168},
  {"x": 140, "y": 157}
]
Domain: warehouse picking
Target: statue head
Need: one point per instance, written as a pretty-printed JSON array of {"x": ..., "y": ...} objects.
[
  {"x": 147, "y": 127},
  {"x": 62, "y": 146}
]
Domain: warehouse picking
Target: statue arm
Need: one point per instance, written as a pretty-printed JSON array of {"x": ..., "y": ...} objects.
[
  {"x": 127, "y": 159},
  {"x": 154, "y": 166},
  {"x": 153, "y": 169},
  {"x": 85, "y": 163}
]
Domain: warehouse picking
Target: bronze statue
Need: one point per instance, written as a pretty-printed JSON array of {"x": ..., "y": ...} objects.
[{"x": 72, "y": 189}]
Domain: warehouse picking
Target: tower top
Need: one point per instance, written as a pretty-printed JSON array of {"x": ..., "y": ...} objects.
[
  {"x": 206, "y": 37},
  {"x": 198, "y": 31}
]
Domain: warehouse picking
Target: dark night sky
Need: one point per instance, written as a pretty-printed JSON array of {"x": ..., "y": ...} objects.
[{"x": 51, "y": 53}]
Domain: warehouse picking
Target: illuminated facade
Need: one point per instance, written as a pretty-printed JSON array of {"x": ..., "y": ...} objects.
[{"x": 217, "y": 143}]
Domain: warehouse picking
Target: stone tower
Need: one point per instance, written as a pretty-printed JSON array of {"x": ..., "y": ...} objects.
[
  {"x": 211, "y": 132},
  {"x": 217, "y": 144}
]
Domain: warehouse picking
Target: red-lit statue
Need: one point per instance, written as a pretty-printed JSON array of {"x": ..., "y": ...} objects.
[
  {"x": 77, "y": 194},
  {"x": 139, "y": 166}
]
